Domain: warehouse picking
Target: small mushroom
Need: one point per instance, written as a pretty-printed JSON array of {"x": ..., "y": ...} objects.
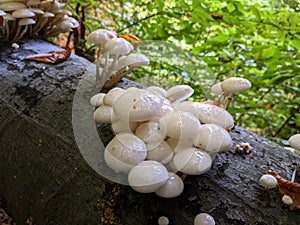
[
  {"x": 23, "y": 22},
  {"x": 119, "y": 126},
  {"x": 113, "y": 95},
  {"x": 234, "y": 85},
  {"x": 150, "y": 132},
  {"x": 161, "y": 153},
  {"x": 178, "y": 144},
  {"x": 163, "y": 220},
  {"x": 179, "y": 93},
  {"x": 157, "y": 90},
  {"x": 179, "y": 124},
  {"x": 97, "y": 99},
  {"x": 124, "y": 151},
  {"x": 99, "y": 38},
  {"x": 268, "y": 181},
  {"x": 147, "y": 176},
  {"x": 204, "y": 219},
  {"x": 287, "y": 200},
  {"x": 172, "y": 188},
  {"x": 192, "y": 161},
  {"x": 294, "y": 141},
  {"x": 104, "y": 114}
]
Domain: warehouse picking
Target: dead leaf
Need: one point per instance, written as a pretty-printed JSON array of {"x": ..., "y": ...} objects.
[
  {"x": 1, "y": 21},
  {"x": 51, "y": 57},
  {"x": 129, "y": 37}
]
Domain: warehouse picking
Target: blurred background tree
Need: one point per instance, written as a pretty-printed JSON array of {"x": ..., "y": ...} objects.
[{"x": 255, "y": 39}]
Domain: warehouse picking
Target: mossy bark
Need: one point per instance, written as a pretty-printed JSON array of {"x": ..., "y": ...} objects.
[{"x": 43, "y": 174}]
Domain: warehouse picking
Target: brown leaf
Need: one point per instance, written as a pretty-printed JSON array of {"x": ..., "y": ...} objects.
[
  {"x": 51, "y": 57},
  {"x": 129, "y": 37},
  {"x": 1, "y": 21},
  {"x": 289, "y": 188}
]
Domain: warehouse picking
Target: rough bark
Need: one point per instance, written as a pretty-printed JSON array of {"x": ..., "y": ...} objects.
[{"x": 43, "y": 174}]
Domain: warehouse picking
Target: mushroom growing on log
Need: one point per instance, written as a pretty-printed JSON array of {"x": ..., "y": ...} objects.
[{"x": 44, "y": 175}]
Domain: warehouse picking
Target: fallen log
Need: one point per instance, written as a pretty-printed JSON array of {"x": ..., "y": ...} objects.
[{"x": 45, "y": 175}]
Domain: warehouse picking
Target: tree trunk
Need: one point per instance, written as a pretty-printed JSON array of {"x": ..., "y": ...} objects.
[{"x": 43, "y": 173}]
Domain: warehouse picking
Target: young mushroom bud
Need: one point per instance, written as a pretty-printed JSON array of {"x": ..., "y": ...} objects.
[
  {"x": 104, "y": 114},
  {"x": 124, "y": 151},
  {"x": 268, "y": 181},
  {"x": 97, "y": 99},
  {"x": 204, "y": 219},
  {"x": 147, "y": 176},
  {"x": 113, "y": 95},
  {"x": 162, "y": 153},
  {"x": 163, "y": 220},
  {"x": 287, "y": 200},
  {"x": 234, "y": 85},
  {"x": 172, "y": 188}
]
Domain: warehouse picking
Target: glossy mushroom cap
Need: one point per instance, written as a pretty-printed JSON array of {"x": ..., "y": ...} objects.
[
  {"x": 294, "y": 141},
  {"x": 204, "y": 219},
  {"x": 117, "y": 46},
  {"x": 213, "y": 138},
  {"x": 137, "y": 105},
  {"x": 100, "y": 36},
  {"x": 192, "y": 161},
  {"x": 179, "y": 93},
  {"x": 235, "y": 85},
  {"x": 124, "y": 151},
  {"x": 172, "y": 188},
  {"x": 268, "y": 181},
  {"x": 133, "y": 59},
  {"x": 147, "y": 176}
]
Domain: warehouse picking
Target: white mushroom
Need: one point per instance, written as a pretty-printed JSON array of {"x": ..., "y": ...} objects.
[
  {"x": 162, "y": 153},
  {"x": 204, "y": 219},
  {"x": 137, "y": 105},
  {"x": 119, "y": 126},
  {"x": 104, "y": 114},
  {"x": 150, "y": 132},
  {"x": 172, "y": 188},
  {"x": 217, "y": 89},
  {"x": 147, "y": 176},
  {"x": 294, "y": 141},
  {"x": 157, "y": 90},
  {"x": 179, "y": 124},
  {"x": 192, "y": 161},
  {"x": 124, "y": 151},
  {"x": 207, "y": 113},
  {"x": 97, "y": 99},
  {"x": 163, "y": 220},
  {"x": 23, "y": 22},
  {"x": 179, "y": 93},
  {"x": 287, "y": 200},
  {"x": 113, "y": 95},
  {"x": 132, "y": 60},
  {"x": 234, "y": 85},
  {"x": 179, "y": 144},
  {"x": 268, "y": 181},
  {"x": 213, "y": 138}
]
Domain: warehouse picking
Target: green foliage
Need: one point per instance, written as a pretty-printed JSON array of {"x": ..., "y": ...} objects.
[{"x": 258, "y": 40}]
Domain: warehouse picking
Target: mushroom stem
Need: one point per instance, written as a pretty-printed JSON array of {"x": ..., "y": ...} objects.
[
  {"x": 99, "y": 56},
  {"x": 230, "y": 96},
  {"x": 17, "y": 34},
  {"x": 110, "y": 69},
  {"x": 117, "y": 77},
  {"x": 21, "y": 35},
  {"x": 101, "y": 78}
]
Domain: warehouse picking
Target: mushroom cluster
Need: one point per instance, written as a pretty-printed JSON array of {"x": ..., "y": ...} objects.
[
  {"x": 229, "y": 87},
  {"x": 116, "y": 56},
  {"x": 35, "y": 18},
  {"x": 159, "y": 132}
]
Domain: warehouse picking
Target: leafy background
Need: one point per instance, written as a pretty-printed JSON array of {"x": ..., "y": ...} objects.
[{"x": 255, "y": 39}]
